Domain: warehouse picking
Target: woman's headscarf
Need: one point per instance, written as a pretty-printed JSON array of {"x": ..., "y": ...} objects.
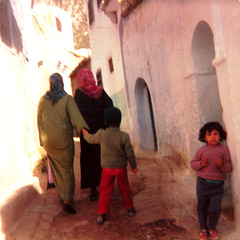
[
  {"x": 56, "y": 88},
  {"x": 87, "y": 84}
]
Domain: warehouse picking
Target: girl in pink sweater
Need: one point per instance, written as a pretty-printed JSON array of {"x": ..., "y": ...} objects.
[{"x": 211, "y": 162}]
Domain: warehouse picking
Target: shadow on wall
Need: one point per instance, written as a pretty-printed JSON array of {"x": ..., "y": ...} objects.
[
  {"x": 21, "y": 199},
  {"x": 10, "y": 32},
  {"x": 119, "y": 101},
  {"x": 14, "y": 207}
]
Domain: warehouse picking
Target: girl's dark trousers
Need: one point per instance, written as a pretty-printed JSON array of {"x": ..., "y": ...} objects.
[{"x": 209, "y": 203}]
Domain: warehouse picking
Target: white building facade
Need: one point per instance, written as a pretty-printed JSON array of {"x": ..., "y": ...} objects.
[{"x": 177, "y": 68}]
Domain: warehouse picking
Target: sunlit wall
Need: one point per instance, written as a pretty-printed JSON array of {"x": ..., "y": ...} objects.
[{"x": 40, "y": 38}]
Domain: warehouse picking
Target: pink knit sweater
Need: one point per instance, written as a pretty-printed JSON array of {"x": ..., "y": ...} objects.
[{"x": 212, "y": 171}]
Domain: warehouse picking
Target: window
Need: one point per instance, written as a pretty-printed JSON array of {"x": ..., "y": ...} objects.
[
  {"x": 64, "y": 69},
  {"x": 5, "y": 23},
  {"x": 59, "y": 25},
  {"x": 90, "y": 12},
  {"x": 99, "y": 77},
  {"x": 99, "y": 3},
  {"x": 110, "y": 63},
  {"x": 59, "y": 65},
  {"x": 40, "y": 63}
]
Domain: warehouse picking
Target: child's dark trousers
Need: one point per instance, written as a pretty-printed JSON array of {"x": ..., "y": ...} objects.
[
  {"x": 106, "y": 188},
  {"x": 209, "y": 203}
]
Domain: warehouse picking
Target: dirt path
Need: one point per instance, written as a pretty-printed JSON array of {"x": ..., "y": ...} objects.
[{"x": 163, "y": 194}]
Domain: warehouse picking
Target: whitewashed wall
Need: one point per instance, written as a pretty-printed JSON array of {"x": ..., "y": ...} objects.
[
  {"x": 22, "y": 85},
  {"x": 18, "y": 97},
  {"x": 157, "y": 44},
  {"x": 156, "y": 41}
]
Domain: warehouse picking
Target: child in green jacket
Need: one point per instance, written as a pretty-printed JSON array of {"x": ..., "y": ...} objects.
[{"x": 116, "y": 152}]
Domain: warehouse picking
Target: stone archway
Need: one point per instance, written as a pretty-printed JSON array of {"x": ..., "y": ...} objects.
[
  {"x": 206, "y": 82},
  {"x": 145, "y": 117}
]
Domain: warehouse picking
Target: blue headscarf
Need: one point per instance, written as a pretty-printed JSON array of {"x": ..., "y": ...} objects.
[{"x": 56, "y": 88}]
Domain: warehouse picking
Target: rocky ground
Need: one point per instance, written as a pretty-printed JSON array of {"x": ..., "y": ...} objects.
[{"x": 164, "y": 197}]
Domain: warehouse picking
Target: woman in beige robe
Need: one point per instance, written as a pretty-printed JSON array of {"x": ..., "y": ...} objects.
[{"x": 57, "y": 113}]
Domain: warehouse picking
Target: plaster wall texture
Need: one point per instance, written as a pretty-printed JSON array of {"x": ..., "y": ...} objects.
[
  {"x": 153, "y": 47},
  {"x": 19, "y": 95},
  {"x": 157, "y": 39},
  {"x": 161, "y": 33},
  {"x": 105, "y": 44}
]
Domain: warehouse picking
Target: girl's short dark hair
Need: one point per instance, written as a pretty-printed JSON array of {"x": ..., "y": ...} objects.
[{"x": 208, "y": 127}]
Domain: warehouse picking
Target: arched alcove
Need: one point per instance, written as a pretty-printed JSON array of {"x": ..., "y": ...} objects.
[
  {"x": 145, "y": 116},
  {"x": 203, "y": 52}
]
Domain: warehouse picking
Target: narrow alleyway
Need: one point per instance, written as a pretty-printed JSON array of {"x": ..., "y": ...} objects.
[{"x": 164, "y": 196}]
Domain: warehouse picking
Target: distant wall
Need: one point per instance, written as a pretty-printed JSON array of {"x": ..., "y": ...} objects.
[
  {"x": 79, "y": 21},
  {"x": 106, "y": 50}
]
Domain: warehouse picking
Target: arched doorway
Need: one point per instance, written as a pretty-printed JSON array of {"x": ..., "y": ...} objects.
[
  {"x": 145, "y": 116},
  {"x": 208, "y": 100},
  {"x": 203, "y": 52}
]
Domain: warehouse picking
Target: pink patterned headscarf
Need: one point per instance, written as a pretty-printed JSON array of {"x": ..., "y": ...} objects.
[{"x": 87, "y": 84}]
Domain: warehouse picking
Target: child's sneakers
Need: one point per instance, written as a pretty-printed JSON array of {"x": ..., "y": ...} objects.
[
  {"x": 213, "y": 234},
  {"x": 101, "y": 218},
  {"x": 203, "y": 235},
  {"x": 131, "y": 212}
]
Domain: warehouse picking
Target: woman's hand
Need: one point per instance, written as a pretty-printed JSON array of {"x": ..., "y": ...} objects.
[{"x": 84, "y": 131}]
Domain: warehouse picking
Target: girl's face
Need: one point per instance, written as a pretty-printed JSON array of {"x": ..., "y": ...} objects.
[{"x": 212, "y": 138}]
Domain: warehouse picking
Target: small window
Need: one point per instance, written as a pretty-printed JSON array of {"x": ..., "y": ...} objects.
[
  {"x": 64, "y": 68},
  {"x": 59, "y": 25},
  {"x": 59, "y": 65},
  {"x": 99, "y": 77},
  {"x": 99, "y": 3},
  {"x": 40, "y": 63},
  {"x": 110, "y": 63},
  {"x": 90, "y": 12}
]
